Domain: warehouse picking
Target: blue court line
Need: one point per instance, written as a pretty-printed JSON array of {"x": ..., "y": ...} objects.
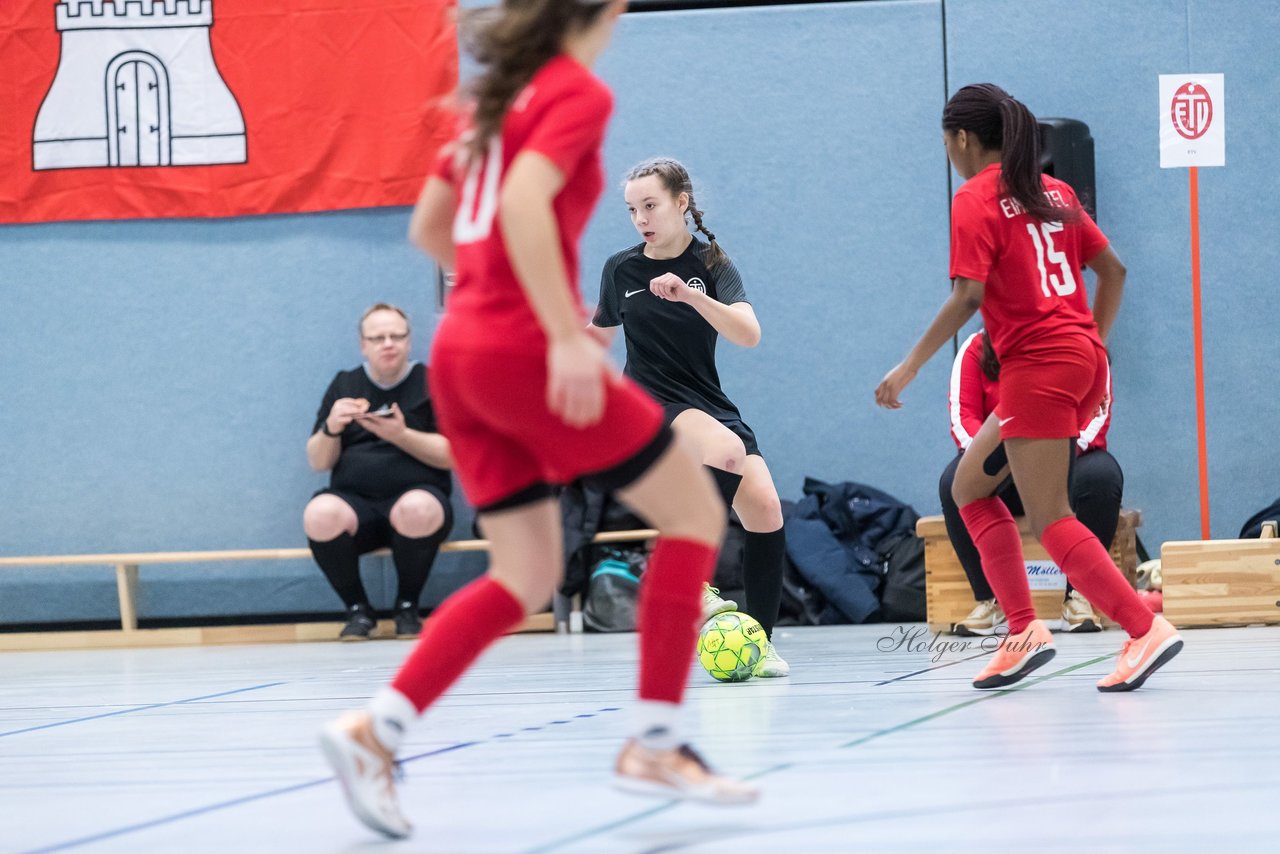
[
  {"x": 133, "y": 709},
  {"x": 192, "y": 813},
  {"x": 284, "y": 790},
  {"x": 931, "y": 669},
  {"x": 584, "y": 835}
]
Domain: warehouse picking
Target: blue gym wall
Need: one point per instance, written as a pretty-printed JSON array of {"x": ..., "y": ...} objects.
[{"x": 162, "y": 376}]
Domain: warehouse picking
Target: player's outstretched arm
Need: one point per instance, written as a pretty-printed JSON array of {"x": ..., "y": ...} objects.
[{"x": 965, "y": 300}]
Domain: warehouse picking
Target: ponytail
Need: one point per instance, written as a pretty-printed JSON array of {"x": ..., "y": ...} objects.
[
  {"x": 1003, "y": 123},
  {"x": 512, "y": 42}
]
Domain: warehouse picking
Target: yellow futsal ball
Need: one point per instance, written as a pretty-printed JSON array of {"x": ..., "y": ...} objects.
[{"x": 730, "y": 645}]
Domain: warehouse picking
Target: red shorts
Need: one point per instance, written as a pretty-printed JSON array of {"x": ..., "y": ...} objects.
[
  {"x": 1052, "y": 392},
  {"x": 492, "y": 407}
]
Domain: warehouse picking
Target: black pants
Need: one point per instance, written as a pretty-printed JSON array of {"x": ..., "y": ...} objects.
[{"x": 1097, "y": 487}]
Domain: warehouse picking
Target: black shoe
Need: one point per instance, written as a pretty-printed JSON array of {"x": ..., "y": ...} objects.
[
  {"x": 408, "y": 623},
  {"x": 360, "y": 622}
]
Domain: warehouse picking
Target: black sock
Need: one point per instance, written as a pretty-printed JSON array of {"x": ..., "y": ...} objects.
[
  {"x": 727, "y": 482},
  {"x": 340, "y": 564},
  {"x": 762, "y": 557},
  {"x": 413, "y": 557}
]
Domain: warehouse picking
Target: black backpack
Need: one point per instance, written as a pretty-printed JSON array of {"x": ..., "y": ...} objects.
[
  {"x": 1253, "y": 528},
  {"x": 614, "y": 591},
  {"x": 902, "y": 596}
]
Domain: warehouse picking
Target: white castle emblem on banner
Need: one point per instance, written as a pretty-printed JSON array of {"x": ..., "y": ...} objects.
[{"x": 137, "y": 85}]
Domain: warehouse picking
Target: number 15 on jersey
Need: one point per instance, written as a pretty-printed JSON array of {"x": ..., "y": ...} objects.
[{"x": 1063, "y": 282}]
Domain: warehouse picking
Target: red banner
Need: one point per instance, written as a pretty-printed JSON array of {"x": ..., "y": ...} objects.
[{"x": 199, "y": 108}]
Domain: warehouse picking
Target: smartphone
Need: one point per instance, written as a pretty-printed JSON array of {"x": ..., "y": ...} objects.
[{"x": 384, "y": 412}]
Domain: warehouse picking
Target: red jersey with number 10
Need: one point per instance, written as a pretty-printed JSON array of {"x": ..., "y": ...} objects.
[
  {"x": 1031, "y": 269},
  {"x": 561, "y": 114}
]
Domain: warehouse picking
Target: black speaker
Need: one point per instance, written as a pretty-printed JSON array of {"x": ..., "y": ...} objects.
[{"x": 1066, "y": 153}]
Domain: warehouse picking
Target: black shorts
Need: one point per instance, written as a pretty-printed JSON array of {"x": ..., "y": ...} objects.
[
  {"x": 736, "y": 426},
  {"x": 373, "y": 515}
]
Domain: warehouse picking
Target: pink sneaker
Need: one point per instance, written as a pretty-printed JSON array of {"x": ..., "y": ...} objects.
[
  {"x": 1143, "y": 656},
  {"x": 679, "y": 774},
  {"x": 1017, "y": 656}
]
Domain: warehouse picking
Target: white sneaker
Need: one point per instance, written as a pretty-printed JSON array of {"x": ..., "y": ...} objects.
[
  {"x": 1078, "y": 615},
  {"x": 712, "y": 604},
  {"x": 680, "y": 774},
  {"x": 366, "y": 771},
  {"x": 772, "y": 664},
  {"x": 985, "y": 618}
]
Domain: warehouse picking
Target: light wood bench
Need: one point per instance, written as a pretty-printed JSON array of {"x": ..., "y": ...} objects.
[
  {"x": 949, "y": 598},
  {"x": 126, "y": 570},
  {"x": 1222, "y": 582}
]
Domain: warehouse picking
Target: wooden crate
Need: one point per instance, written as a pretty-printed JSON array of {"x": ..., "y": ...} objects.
[
  {"x": 1221, "y": 582},
  {"x": 948, "y": 597}
]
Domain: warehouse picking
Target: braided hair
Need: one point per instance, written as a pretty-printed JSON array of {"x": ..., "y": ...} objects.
[{"x": 675, "y": 178}]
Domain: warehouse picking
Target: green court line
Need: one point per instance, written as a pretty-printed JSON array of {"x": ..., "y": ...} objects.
[
  {"x": 666, "y": 805},
  {"x": 987, "y": 696}
]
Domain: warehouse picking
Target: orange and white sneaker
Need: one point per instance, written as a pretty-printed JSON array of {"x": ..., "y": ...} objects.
[
  {"x": 1017, "y": 656},
  {"x": 680, "y": 774},
  {"x": 1143, "y": 656},
  {"x": 366, "y": 771}
]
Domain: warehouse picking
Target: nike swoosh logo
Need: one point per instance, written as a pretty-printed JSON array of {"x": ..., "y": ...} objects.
[
  {"x": 633, "y": 293},
  {"x": 1004, "y": 421},
  {"x": 1134, "y": 660}
]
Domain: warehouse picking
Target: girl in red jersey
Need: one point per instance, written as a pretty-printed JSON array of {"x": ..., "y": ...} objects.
[
  {"x": 527, "y": 398},
  {"x": 1018, "y": 242},
  {"x": 1097, "y": 486}
]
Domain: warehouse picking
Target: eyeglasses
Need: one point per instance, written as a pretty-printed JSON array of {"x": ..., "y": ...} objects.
[{"x": 393, "y": 337}]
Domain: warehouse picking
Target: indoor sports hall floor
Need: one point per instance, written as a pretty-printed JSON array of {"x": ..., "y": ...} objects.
[{"x": 862, "y": 749}]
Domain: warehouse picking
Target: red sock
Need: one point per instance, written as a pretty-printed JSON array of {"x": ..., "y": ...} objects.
[
  {"x": 454, "y": 636},
  {"x": 999, "y": 545},
  {"x": 1090, "y": 570},
  {"x": 670, "y": 604}
]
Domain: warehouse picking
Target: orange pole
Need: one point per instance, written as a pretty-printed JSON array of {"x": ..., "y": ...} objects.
[{"x": 1198, "y": 344}]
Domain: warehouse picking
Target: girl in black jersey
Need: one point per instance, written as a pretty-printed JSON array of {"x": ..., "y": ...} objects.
[{"x": 674, "y": 296}]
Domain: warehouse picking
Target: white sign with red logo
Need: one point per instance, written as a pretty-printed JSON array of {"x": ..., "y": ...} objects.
[{"x": 1193, "y": 121}]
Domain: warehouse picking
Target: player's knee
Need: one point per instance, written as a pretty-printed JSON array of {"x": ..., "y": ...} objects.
[
  {"x": 759, "y": 507},
  {"x": 727, "y": 454},
  {"x": 417, "y": 514},
  {"x": 327, "y": 517}
]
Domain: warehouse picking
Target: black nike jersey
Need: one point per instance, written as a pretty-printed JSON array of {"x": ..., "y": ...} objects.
[
  {"x": 374, "y": 467},
  {"x": 671, "y": 349}
]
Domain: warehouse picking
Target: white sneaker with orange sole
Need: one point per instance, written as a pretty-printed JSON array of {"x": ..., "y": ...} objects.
[
  {"x": 366, "y": 771},
  {"x": 680, "y": 774}
]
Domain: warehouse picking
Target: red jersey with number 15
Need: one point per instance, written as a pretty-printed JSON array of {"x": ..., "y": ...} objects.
[
  {"x": 1031, "y": 269},
  {"x": 561, "y": 114}
]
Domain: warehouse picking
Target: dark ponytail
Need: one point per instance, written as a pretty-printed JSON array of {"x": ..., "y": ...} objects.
[
  {"x": 1003, "y": 123},
  {"x": 675, "y": 178},
  {"x": 513, "y": 41},
  {"x": 990, "y": 361}
]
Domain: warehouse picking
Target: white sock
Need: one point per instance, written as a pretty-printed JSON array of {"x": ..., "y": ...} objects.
[
  {"x": 657, "y": 725},
  {"x": 392, "y": 715}
]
